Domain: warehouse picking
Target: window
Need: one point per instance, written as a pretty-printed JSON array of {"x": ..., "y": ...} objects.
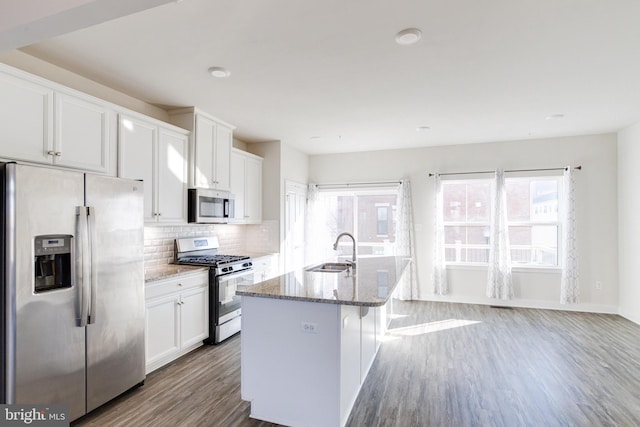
[
  {"x": 467, "y": 207},
  {"x": 532, "y": 213},
  {"x": 383, "y": 219},
  {"x": 369, "y": 214}
]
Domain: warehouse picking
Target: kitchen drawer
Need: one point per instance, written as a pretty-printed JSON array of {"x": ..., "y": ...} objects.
[{"x": 175, "y": 284}]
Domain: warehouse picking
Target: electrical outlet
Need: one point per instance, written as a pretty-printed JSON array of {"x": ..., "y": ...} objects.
[
  {"x": 599, "y": 285},
  {"x": 309, "y": 328}
]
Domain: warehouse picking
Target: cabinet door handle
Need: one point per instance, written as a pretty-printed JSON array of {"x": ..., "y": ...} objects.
[
  {"x": 179, "y": 284},
  {"x": 51, "y": 153},
  {"x": 58, "y": 153}
]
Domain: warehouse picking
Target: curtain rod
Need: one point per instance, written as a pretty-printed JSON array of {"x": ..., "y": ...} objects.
[
  {"x": 512, "y": 170},
  {"x": 356, "y": 184}
]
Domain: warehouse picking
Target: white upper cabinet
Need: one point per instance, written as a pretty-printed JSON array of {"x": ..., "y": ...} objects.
[
  {"x": 246, "y": 187},
  {"x": 136, "y": 140},
  {"x": 253, "y": 190},
  {"x": 172, "y": 176},
  {"x": 26, "y": 119},
  {"x": 157, "y": 154},
  {"x": 222, "y": 156},
  {"x": 82, "y": 137},
  {"x": 211, "y": 142},
  {"x": 43, "y": 122}
]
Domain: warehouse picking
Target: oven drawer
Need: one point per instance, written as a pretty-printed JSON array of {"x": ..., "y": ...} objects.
[{"x": 175, "y": 284}]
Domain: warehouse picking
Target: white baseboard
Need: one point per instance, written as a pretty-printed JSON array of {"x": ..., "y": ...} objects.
[
  {"x": 546, "y": 305},
  {"x": 634, "y": 317}
]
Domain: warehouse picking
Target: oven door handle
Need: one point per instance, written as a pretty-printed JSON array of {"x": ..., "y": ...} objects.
[{"x": 227, "y": 277}]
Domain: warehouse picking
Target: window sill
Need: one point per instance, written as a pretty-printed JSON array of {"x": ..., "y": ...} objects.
[{"x": 514, "y": 269}]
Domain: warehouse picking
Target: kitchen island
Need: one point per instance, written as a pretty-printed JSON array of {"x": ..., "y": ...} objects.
[{"x": 309, "y": 339}]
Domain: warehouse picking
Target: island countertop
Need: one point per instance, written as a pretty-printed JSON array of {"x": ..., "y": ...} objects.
[{"x": 370, "y": 284}]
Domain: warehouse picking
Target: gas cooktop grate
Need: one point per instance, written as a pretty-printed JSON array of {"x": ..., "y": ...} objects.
[{"x": 212, "y": 259}]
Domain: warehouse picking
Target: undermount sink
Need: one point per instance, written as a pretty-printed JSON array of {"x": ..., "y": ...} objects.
[{"x": 331, "y": 267}]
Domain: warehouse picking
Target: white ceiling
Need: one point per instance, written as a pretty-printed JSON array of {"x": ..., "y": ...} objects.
[{"x": 327, "y": 76}]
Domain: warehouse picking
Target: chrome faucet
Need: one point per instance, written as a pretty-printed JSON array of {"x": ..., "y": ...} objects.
[{"x": 335, "y": 246}]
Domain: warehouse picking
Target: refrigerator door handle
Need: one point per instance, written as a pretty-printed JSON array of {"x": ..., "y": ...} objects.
[
  {"x": 82, "y": 264},
  {"x": 93, "y": 265}
]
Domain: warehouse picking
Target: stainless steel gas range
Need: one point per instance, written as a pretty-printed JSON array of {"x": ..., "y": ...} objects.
[{"x": 226, "y": 274}]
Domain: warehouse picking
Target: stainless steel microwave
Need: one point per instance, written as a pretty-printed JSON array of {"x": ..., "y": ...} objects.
[{"x": 207, "y": 206}]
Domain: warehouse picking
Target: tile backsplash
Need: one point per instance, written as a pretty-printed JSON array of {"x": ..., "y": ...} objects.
[{"x": 234, "y": 239}]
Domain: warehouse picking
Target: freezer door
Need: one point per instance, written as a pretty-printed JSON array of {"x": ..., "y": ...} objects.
[
  {"x": 115, "y": 333},
  {"x": 49, "y": 346}
]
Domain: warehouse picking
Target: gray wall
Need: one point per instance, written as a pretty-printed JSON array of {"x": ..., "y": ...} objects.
[{"x": 629, "y": 221}]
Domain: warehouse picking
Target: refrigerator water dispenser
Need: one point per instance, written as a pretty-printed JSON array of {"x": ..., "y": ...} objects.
[{"x": 52, "y": 263}]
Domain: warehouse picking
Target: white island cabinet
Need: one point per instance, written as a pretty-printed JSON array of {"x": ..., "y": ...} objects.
[{"x": 305, "y": 366}]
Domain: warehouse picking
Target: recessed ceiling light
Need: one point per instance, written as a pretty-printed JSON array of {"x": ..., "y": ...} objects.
[
  {"x": 219, "y": 72},
  {"x": 554, "y": 117},
  {"x": 423, "y": 128},
  {"x": 408, "y": 36}
]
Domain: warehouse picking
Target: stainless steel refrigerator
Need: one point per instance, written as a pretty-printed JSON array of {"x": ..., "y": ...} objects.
[{"x": 72, "y": 298}]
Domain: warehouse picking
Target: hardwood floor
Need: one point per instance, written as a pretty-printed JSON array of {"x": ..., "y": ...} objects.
[{"x": 441, "y": 364}]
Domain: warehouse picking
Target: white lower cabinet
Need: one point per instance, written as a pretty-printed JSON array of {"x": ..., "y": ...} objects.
[
  {"x": 162, "y": 331},
  {"x": 194, "y": 314},
  {"x": 265, "y": 267},
  {"x": 177, "y": 318}
]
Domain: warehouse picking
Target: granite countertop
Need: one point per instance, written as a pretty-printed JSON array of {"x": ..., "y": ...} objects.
[
  {"x": 259, "y": 254},
  {"x": 374, "y": 281},
  {"x": 169, "y": 270}
]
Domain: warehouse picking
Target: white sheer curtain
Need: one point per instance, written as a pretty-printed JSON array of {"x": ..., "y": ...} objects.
[
  {"x": 404, "y": 245},
  {"x": 499, "y": 282},
  {"x": 569, "y": 289},
  {"x": 316, "y": 231},
  {"x": 439, "y": 275}
]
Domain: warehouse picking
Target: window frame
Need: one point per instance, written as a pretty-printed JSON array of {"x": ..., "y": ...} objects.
[
  {"x": 368, "y": 190},
  {"x": 466, "y": 223},
  {"x": 515, "y": 223}
]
